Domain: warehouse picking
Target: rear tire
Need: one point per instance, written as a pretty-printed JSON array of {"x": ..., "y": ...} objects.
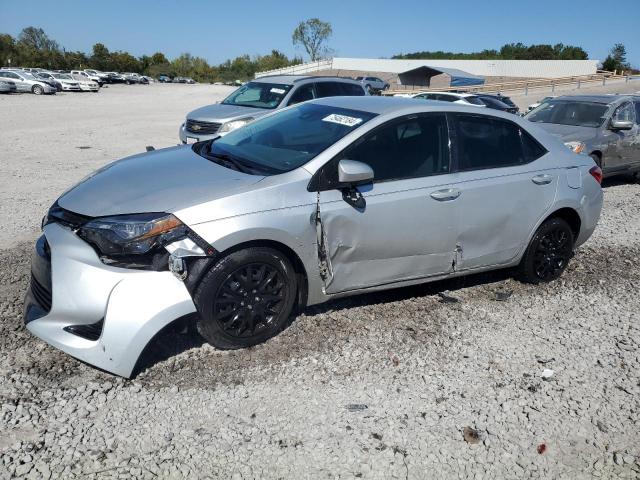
[
  {"x": 37, "y": 90},
  {"x": 246, "y": 298},
  {"x": 548, "y": 253}
]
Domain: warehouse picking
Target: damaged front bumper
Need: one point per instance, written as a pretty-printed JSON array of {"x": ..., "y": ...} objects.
[{"x": 102, "y": 315}]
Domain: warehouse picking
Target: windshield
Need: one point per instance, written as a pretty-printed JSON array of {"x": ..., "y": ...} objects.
[
  {"x": 578, "y": 114},
  {"x": 63, "y": 76},
  {"x": 28, "y": 75},
  {"x": 285, "y": 141},
  {"x": 258, "y": 95}
]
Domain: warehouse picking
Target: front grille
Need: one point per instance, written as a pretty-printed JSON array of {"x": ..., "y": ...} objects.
[
  {"x": 202, "y": 128},
  {"x": 40, "y": 294},
  {"x": 91, "y": 331}
]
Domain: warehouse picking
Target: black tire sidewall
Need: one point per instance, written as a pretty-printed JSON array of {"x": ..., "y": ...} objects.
[
  {"x": 209, "y": 328},
  {"x": 527, "y": 269}
]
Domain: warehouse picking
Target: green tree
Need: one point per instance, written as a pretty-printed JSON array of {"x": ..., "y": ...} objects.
[
  {"x": 313, "y": 35},
  {"x": 101, "y": 58},
  {"x": 7, "y": 50},
  {"x": 617, "y": 59}
]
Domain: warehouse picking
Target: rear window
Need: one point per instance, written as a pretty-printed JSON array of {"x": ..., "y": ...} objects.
[
  {"x": 474, "y": 100},
  {"x": 349, "y": 89},
  {"x": 485, "y": 142}
]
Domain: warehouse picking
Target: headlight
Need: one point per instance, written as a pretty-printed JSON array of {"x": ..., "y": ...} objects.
[
  {"x": 229, "y": 126},
  {"x": 132, "y": 234},
  {"x": 575, "y": 147}
]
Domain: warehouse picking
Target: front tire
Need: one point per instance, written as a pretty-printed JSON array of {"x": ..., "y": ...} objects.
[
  {"x": 37, "y": 90},
  {"x": 548, "y": 253},
  {"x": 246, "y": 298}
]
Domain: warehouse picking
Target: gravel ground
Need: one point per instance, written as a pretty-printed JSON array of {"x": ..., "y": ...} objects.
[{"x": 482, "y": 377}]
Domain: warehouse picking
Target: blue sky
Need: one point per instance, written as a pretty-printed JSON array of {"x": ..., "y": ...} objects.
[{"x": 220, "y": 30}]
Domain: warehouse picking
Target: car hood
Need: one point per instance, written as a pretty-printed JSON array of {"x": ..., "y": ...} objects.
[
  {"x": 159, "y": 181},
  {"x": 569, "y": 133},
  {"x": 220, "y": 112}
]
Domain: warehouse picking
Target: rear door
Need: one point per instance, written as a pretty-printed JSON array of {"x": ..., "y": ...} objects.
[
  {"x": 407, "y": 228},
  {"x": 507, "y": 182}
]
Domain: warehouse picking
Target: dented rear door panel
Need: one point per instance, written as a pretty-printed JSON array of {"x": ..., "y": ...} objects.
[
  {"x": 497, "y": 210},
  {"x": 402, "y": 233}
]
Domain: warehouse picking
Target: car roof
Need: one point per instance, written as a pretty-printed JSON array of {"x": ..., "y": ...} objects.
[
  {"x": 291, "y": 79},
  {"x": 383, "y": 105},
  {"x": 606, "y": 99},
  {"x": 455, "y": 94}
]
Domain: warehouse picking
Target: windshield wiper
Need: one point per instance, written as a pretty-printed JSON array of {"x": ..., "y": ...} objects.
[{"x": 229, "y": 160}]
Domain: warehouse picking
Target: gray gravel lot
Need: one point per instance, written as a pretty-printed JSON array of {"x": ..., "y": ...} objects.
[{"x": 435, "y": 381}]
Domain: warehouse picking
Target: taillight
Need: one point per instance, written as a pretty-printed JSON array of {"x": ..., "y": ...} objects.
[{"x": 596, "y": 172}]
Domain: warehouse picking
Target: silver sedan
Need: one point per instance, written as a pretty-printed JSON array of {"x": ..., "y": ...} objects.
[{"x": 324, "y": 199}]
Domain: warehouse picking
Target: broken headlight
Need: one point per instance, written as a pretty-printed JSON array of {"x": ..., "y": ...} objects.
[{"x": 132, "y": 234}]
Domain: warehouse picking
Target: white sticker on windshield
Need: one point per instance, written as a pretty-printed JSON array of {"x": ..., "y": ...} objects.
[
  {"x": 342, "y": 120},
  {"x": 279, "y": 91}
]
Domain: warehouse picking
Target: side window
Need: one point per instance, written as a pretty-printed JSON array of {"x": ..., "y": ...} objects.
[
  {"x": 624, "y": 113},
  {"x": 637, "y": 104},
  {"x": 410, "y": 148},
  {"x": 445, "y": 98},
  {"x": 302, "y": 94},
  {"x": 485, "y": 142},
  {"x": 351, "y": 90},
  {"x": 328, "y": 89}
]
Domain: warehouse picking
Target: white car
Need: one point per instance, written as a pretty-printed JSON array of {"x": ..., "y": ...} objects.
[
  {"x": 87, "y": 77},
  {"x": 86, "y": 85},
  {"x": 97, "y": 73},
  {"x": 461, "y": 98},
  {"x": 69, "y": 84}
]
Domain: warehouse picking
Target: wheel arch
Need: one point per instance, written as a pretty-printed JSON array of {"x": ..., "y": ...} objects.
[
  {"x": 570, "y": 216},
  {"x": 284, "y": 249}
]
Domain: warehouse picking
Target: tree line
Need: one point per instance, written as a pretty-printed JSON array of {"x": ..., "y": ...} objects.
[
  {"x": 510, "y": 51},
  {"x": 34, "y": 48}
]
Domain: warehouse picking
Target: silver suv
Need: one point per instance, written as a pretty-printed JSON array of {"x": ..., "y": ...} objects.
[
  {"x": 373, "y": 84},
  {"x": 259, "y": 97},
  {"x": 606, "y": 127}
]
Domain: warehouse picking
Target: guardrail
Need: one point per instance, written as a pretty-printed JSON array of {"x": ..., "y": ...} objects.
[
  {"x": 521, "y": 85},
  {"x": 299, "y": 69}
]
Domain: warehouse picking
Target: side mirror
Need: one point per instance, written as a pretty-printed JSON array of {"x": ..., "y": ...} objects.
[
  {"x": 621, "y": 125},
  {"x": 352, "y": 172}
]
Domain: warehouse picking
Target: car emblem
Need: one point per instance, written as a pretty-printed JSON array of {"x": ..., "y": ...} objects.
[{"x": 196, "y": 127}]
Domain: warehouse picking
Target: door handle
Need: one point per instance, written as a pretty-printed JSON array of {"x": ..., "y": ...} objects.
[
  {"x": 446, "y": 194},
  {"x": 542, "y": 179}
]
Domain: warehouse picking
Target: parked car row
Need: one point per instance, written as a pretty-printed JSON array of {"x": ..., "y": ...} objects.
[
  {"x": 168, "y": 79},
  {"x": 40, "y": 81}
]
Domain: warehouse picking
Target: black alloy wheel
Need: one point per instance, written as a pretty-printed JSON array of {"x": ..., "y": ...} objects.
[
  {"x": 548, "y": 253},
  {"x": 246, "y": 298},
  {"x": 249, "y": 300}
]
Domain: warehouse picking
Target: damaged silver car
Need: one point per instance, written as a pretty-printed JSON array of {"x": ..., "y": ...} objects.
[{"x": 328, "y": 198}]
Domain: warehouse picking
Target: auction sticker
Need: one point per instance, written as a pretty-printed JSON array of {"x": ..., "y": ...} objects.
[
  {"x": 279, "y": 91},
  {"x": 342, "y": 120}
]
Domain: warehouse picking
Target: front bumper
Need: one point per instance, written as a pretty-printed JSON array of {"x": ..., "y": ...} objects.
[
  {"x": 133, "y": 305},
  {"x": 70, "y": 88}
]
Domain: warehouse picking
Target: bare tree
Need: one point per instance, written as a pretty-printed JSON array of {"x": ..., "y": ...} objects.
[{"x": 313, "y": 34}]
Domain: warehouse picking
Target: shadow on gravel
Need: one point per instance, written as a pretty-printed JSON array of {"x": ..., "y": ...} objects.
[
  {"x": 182, "y": 335},
  {"x": 618, "y": 181},
  {"x": 421, "y": 290}
]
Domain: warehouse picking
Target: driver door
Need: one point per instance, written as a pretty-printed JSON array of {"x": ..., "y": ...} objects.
[{"x": 407, "y": 228}]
